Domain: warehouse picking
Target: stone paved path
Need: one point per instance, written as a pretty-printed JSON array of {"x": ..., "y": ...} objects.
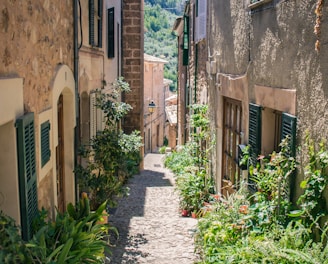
[{"x": 150, "y": 226}]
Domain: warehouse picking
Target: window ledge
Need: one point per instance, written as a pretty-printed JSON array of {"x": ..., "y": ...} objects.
[{"x": 258, "y": 3}]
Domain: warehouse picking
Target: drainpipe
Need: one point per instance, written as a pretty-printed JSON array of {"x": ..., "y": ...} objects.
[
  {"x": 195, "y": 77},
  {"x": 77, "y": 101}
]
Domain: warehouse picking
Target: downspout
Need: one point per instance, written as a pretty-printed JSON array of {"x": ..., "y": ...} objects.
[
  {"x": 195, "y": 77},
  {"x": 77, "y": 101}
]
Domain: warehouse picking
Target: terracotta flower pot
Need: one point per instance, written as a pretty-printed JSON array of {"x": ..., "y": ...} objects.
[
  {"x": 184, "y": 213},
  {"x": 193, "y": 215}
]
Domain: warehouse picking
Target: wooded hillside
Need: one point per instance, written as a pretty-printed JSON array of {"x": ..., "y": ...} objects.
[{"x": 159, "y": 40}]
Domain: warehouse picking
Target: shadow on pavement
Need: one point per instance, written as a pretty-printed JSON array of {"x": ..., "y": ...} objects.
[{"x": 125, "y": 248}]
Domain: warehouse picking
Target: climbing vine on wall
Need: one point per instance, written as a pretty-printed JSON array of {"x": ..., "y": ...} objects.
[{"x": 317, "y": 26}]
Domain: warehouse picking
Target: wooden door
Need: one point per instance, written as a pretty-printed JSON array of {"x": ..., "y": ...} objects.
[
  {"x": 231, "y": 139},
  {"x": 60, "y": 177}
]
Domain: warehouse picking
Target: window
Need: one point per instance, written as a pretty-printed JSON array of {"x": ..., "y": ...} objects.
[
  {"x": 27, "y": 173},
  {"x": 96, "y": 115},
  {"x": 185, "y": 41},
  {"x": 111, "y": 33},
  {"x": 231, "y": 139},
  {"x": 45, "y": 143},
  {"x": 267, "y": 128},
  {"x": 201, "y": 9},
  {"x": 95, "y": 23}
]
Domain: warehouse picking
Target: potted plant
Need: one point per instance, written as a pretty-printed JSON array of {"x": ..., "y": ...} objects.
[{"x": 184, "y": 207}]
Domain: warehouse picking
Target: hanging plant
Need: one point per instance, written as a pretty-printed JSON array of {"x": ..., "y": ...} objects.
[{"x": 317, "y": 26}]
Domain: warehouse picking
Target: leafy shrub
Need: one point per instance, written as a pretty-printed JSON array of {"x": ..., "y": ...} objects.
[
  {"x": 190, "y": 164},
  {"x": 178, "y": 160},
  {"x": 12, "y": 247},
  {"x": 260, "y": 228},
  {"x": 75, "y": 237}
]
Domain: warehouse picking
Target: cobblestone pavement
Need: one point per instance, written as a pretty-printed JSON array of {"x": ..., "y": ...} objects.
[{"x": 150, "y": 227}]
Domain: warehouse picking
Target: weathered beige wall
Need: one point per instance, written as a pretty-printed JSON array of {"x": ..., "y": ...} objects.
[
  {"x": 10, "y": 110},
  {"x": 284, "y": 56}
]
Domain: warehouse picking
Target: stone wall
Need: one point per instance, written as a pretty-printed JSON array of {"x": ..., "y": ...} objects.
[
  {"x": 132, "y": 54},
  {"x": 35, "y": 37}
]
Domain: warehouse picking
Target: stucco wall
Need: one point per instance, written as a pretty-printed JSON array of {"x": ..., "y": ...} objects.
[
  {"x": 228, "y": 35},
  {"x": 283, "y": 55},
  {"x": 154, "y": 91}
]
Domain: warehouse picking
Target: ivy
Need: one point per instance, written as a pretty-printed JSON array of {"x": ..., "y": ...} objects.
[{"x": 312, "y": 202}]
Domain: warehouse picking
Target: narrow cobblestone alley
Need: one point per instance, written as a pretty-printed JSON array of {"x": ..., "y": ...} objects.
[{"x": 150, "y": 227}]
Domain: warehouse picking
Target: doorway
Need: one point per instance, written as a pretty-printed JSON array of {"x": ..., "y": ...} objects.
[
  {"x": 60, "y": 177},
  {"x": 232, "y": 116}
]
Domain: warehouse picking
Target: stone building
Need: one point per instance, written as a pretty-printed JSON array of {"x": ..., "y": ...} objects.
[
  {"x": 264, "y": 74},
  {"x": 171, "y": 107},
  {"x": 171, "y": 111},
  {"x": 38, "y": 108},
  {"x": 55, "y": 59},
  {"x": 265, "y": 78},
  {"x": 182, "y": 100},
  {"x": 100, "y": 60},
  {"x": 154, "y": 95},
  {"x": 192, "y": 55}
]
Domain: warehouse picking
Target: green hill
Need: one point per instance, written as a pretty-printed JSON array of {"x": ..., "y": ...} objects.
[{"x": 159, "y": 40}]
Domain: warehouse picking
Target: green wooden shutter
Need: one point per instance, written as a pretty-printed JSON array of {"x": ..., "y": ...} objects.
[
  {"x": 27, "y": 173},
  {"x": 111, "y": 33},
  {"x": 91, "y": 22},
  {"x": 288, "y": 128},
  {"x": 100, "y": 21},
  {"x": 45, "y": 143},
  {"x": 254, "y": 131},
  {"x": 185, "y": 53},
  {"x": 254, "y": 137},
  {"x": 93, "y": 114}
]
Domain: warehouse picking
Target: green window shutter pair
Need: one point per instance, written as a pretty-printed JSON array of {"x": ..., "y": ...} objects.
[
  {"x": 185, "y": 44},
  {"x": 111, "y": 33},
  {"x": 45, "y": 143},
  {"x": 288, "y": 128},
  {"x": 27, "y": 173}
]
